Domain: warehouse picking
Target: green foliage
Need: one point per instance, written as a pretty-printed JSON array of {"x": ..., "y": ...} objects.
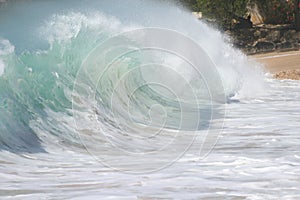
[
  {"x": 276, "y": 11},
  {"x": 220, "y": 8},
  {"x": 223, "y": 11}
]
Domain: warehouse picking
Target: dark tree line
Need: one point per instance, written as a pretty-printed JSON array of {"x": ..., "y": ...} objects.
[
  {"x": 223, "y": 11},
  {"x": 297, "y": 14}
]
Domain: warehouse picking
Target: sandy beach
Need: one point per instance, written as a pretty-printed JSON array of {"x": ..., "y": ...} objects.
[{"x": 283, "y": 64}]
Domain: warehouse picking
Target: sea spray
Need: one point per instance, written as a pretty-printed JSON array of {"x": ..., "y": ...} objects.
[
  {"x": 44, "y": 94},
  {"x": 47, "y": 85}
]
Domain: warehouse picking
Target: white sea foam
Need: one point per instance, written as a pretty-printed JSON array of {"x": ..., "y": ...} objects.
[
  {"x": 2, "y": 66},
  {"x": 64, "y": 27},
  {"x": 6, "y": 48},
  {"x": 256, "y": 156}
]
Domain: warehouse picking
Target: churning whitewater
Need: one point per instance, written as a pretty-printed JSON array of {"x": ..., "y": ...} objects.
[
  {"x": 94, "y": 95},
  {"x": 39, "y": 78}
]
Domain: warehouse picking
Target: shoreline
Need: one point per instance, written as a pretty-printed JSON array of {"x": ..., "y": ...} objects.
[{"x": 283, "y": 65}]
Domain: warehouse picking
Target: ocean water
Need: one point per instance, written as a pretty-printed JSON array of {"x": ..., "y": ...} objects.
[{"x": 138, "y": 100}]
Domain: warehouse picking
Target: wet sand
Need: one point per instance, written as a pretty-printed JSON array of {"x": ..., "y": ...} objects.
[{"x": 284, "y": 65}]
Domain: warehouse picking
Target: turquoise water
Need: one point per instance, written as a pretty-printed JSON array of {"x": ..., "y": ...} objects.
[
  {"x": 137, "y": 100},
  {"x": 45, "y": 60}
]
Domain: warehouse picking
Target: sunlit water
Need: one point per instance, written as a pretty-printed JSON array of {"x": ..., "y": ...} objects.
[{"x": 46, "y": 155}]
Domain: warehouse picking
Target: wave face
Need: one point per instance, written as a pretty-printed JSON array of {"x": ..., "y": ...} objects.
[{"x": 71, "y": 69}]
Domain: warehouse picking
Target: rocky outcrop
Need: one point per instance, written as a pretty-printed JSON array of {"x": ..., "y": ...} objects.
[
  {"x": 264, "y": 46},
  {"x": 292, "y": 74},
  {"x": 265, "y": 38}
]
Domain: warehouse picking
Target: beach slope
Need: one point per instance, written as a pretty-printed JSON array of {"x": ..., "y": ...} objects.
[{"x": 284, "y": 65}]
